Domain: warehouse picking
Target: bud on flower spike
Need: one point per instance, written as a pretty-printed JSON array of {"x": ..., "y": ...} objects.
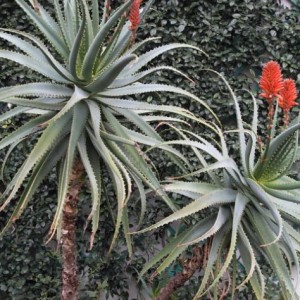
[
  {"x": 288, "y": 95},
  {"x": 287, "y": 100},
  {"x": 134, "y": 15}
]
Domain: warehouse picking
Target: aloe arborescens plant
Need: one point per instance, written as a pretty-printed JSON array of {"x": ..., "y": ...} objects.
[
  {"x": 81, "y": 112},
  {"x": 253, "y": 204}
]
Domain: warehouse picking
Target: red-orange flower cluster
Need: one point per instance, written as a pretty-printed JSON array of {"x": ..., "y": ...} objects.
[
  {"x": 134, "y": 15},
  {"x": 271, "y": 81},
  {"x": 274, "y": 87},
  {"x": 288, "y": 95}
]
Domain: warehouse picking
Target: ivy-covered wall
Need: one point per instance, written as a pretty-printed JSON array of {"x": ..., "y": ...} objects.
[{"x": 238, "y": 36}]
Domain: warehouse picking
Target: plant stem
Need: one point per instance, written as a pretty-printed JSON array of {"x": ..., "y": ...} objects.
[
  {"x": 68, "y": 240},
  {"x": 286, "y": 119},
  {"x": 258, "y": 172}
]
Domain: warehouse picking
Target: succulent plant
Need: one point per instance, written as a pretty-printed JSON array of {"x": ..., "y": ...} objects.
[
  {"x": 252, "y": 205},
  {"x": 84, "y": 110}
]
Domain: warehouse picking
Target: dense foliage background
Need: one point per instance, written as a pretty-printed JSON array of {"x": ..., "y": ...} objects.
[{"x": 239, "y": 36}]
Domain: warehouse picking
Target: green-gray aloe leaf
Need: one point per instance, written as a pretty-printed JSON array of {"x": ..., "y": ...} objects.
[{"x": 217, "y": 197}]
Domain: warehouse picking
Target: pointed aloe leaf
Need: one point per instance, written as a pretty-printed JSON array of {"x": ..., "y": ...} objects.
[
  {"x": 41, "y": 170},
  {"x": 137, "y": 160},
  {"x": 125, "y": 224},
  {"x": 208, "y": 149},
  {"x": 36, "y": 104},
  {"x": 199, "y": 230},
  {"x": 125, "y": 174},
  {"x": 116, "y": 176},
  {"x": 261, "y": 196},
  {"x": 75, "y": 50},
  {"x": 284, "y": 183},
  {"x": 105, "y": 78},
  {"x": 13, "y": 112},
  {"x": 281, "y": 144},
  {"x": 89, "y": 31},
  {"x": 198, "y": 188},
  {"x": 28, "y": 48},
  {"x": 290, "y": 251},
  {"x": 144, "y": 59},
  {"x": 106, "y": 56},
  {"x": 277, "y": 163},
  {"x": 142, "y": 193},
  {"x": 174, "y": 248},
  {"x": 289, "y": 195},
  {"x": 242, "y": 140},
  {"x": 222, "y": 218},
  {"x": 243, "y": 241},
  {"x": 170, "y": 246},
  {"x": 141, "y": 171},
  {"x": 115, "y": 138},
  {"x": 142, "y": 107},
  {"x": 158, "y": 118},
  {"x": 97, "y": 167},
  {"x": 257, "y": 286},
  {"x": 93, "y": 50},
  {"x": 61, "y": 22},
  {"x": 273, "y": 252},
  {"x": 44, "y": 144},
  {"x": 218, "y": 197},
  {"x": 150, "y": 88},
  {"x": 239, "y": 207},
  {"x": 70, "y": 11},
  {"x": 59, "y": 174},
  {"x": 149, "y": 141},
  {"x": 55, "y": 64},
  {"x": 91, "y": 163},
  {"x": 153, "y": 137},
  {"x": 7, "y": 155},
  {"x": 254, "y": 126},
  {"x": 225, "y": 163},
  {"x": 291, "y": 208},
  {"x": 95, "y": 114},
  {"x": 198, "y": 154},
  {"x": 216, "y": 246},
  {"x": 95, "y": 16},
  {"x": 49, "y": 21},
  {"x": 123, "y": 81},
  {"x": 79, "y": 119},
  {"x": 27, "y": 129},
  {"x": 49, "y": 33},
  {"x": 42, "y": 89},
  {"x": 249, "y": 154}
]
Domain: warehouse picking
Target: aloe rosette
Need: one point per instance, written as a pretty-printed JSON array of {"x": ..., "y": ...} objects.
[
  {"x": 253, "y": 207},
  {"x": 94, "y": 77}
]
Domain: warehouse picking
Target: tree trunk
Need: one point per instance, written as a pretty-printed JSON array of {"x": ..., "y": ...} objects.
[
  {"x": 68, "y": 240},
  {"x": 189, "y": 268}
]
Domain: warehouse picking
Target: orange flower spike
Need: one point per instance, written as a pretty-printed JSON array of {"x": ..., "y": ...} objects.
[
  {"x": 288, "y": 95},
  {"x": 271, "y": 81},
  {"x": 134, "y": 15}
]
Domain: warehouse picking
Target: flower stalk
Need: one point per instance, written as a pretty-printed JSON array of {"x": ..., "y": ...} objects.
[{"x": 275, "y": 88}]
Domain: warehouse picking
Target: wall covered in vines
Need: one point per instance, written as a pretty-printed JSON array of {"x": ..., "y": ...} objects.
[{"x": 238, "y": 36}]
